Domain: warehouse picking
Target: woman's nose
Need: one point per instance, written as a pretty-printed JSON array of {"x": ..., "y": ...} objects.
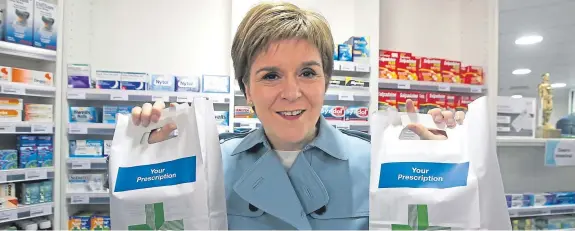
[{"x": 291, "y": 90}]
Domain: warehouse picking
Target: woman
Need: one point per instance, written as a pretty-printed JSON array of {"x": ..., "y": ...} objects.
[{"x": 297, "y": 172}]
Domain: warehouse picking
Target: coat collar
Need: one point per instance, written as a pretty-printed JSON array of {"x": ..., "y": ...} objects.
[{"x": 328, "y": 139}]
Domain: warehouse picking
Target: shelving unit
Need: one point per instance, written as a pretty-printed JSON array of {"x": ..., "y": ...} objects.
[
  {"x": 431, "y": 86},
  {"x": 26, "y": 174},
  {"x": 24, "y": 51},
  {"x": 542, "y": 211},
  {"x": 26, "y": 211},
  {"x": 92, "y": 198}
]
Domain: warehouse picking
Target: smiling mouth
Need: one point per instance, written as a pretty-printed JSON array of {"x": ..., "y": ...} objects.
[{"x": 291, "y": 115}]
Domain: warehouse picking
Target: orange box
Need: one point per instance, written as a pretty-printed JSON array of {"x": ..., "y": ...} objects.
[
  {"x": 473, "y": 75},
  {"x": 387, "y": 66},
  {"x": 402, "y": 98},
  {"x": 451, "y": 71},
  {"x": 10, "y": 115},
  {"x": 20, "y": 75},
  {"x": 430, "y": 69},
  {"x": 11, "y": 103},
  {"x": 387, "y": 99},
  {"x": 5, "y": 74},
  {"x": 407, "y": 68}
]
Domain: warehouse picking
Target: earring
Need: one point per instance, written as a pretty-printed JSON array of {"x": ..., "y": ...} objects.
[{"x": 250, "y": 103}]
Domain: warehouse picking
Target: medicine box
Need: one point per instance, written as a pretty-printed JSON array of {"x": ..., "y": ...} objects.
[
  {"x": 360, "y": 48},
  {"x": 86, "y": 148},
  {"x": 84, "y": 115},
  {"x": 8, "y": 189},
  {"x": 45, "y": 31},
  {"x": 46, "y": 191},
  {"x": 38, "y": 108},
  {"x": 451, "y": 71},
  {"x": 162, "y": 83},
  {"x": 244, "y": 112},
  {"x": 134, "y": 81},
  {"x": 18, "y": 26},
  {"x": 125, "y": 109},
  {"x": 109, "y": 114},
  {"x": 222, "y": 118},
  {"x": 107, "y": 147},
  {"x": 85, "y": 182},
  {"x": 8, "y": 202},
  {"x": 29, "y": 193},
  {"x": 20, "y": 75},
  {"x": 10, "y": 115},
  {"x": 5, "y": 74},
  {"x": 42, "y": 78},
  {"x": 216, "y": 84},
  {"x": 8, "y": 159},
  {"x": 100, "y": 221},
  {"x": 344, "y": 52},
  {"x": 45, "y": 150},
  {"x": 187, "y": 83},
  {"x": 108, "y": 79},
  {"x": 80, "y": 221},
  {"x": 79, "y": 76},
  {"x": 11, "y": 103},
  {"x": 38, "y": 117},
  {"x": 28, "y": 157}
]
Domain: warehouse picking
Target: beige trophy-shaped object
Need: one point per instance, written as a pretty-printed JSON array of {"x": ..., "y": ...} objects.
[{"x": 546, "y": 130}]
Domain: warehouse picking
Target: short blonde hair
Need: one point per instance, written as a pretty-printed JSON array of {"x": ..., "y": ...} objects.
[{"x": 269, "y": 22}]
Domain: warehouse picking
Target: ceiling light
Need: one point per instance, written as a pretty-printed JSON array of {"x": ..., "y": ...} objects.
[
  {"x": 522, "y": 71},
  {"x": 558, "y": 85},
  {"x": 528, "y": 40},
  {"x": 517, "y": 96}
]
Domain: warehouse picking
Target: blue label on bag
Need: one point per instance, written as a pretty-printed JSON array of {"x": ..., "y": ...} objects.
[
  {"x": 423, "y": 175},
  {"x": 169, "y": 173}
]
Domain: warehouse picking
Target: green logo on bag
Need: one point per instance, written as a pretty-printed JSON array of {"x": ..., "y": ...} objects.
[
  {"x": 155, "y": 220},
  {"x": 417, "y": 219}
]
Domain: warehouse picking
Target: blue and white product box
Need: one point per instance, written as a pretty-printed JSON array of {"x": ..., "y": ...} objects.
[
  {"x": 45, "y": 150},
  {"x": 162, "y": 83},
  {"x": 135, "y": 81},
  {"x": 8, "y": 159},
  {"x": 46, "y": 191},
  {"x": 542, "y": 199},
  {"x": 85, "y": 182},
  {"x": 45, "y": 30},
  {"x": 125, "y": 109},
  {"x": 222, "y": 118},
  {"x": 107, "y": 147},
  {"x": 344, "y": 52},
  {"x": 108, "y": 79},
  {"x": 84, "y": 115},
  {"x": 79, "y": 76},
  {"x": 216, "y": 84},
  {"x": 29, "y": 193},
  {"x": 19, "y": 26},
  {"x": 109, "y": 114},
  {"x": 562, "y": 198},
  {"x": 187, "y": 84},
  {"x": 86, "y": 148},
  {"x": 28, "y": 156},
  {"x": 360, "y": 46},
  {"x": 335, "y": 53}
]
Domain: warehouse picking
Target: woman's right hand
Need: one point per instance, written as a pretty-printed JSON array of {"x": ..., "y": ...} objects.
[{"x": 147, "y": 114}]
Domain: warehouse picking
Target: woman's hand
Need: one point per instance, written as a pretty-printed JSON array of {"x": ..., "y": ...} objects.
[
  {"x": 149, "y": 113},
  {"x": 446, "y": 117}
]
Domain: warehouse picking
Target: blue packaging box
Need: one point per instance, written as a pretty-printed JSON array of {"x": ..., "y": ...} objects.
[
  {"x": 79, "y": 76},
  {"x": 45, "y": 30},
  {"x": 333, "y": 112},
  {"x": 216, "y": 84},
  {"x": 28, "y": 157},
  {"x": 162, "y": 83},
  {"x": 360, "y": 46},
  {"x": 108, "y": 79},
  {"x": 125, "y": 109},
  {"x": 8, "y": 159},
  {"x": 222, "y": 118},
  {"x": 84, "y": 115},
  {"x": 80, "y": 221},
  {"x": 29, "y": 193},
  {"x": 356, "y": 113},
  {"x": 344, "y": 52},
  {"x": 45, "y": 150},
  {"x": 134, "y": 81},
  {"x": 26, "y": 140},
  {"x": 86, "y": 148},
  {"x": 19, "y": 23},
  {"x": 562, "y": 198},
  {"x": 109, "y": 114},
  {"x": 335, "y": 53},
  {"x": 187, "y": 83},
  {"x": 46, "y": 191}
]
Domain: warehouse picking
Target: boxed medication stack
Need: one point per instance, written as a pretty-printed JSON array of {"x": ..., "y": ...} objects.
[
  {"x": 8, "y": 197},
  {"x": 18, "y": 26},
  {"x": 80, "y": 221},
  {"x": 45, "y": 151},
  {"x": 27, "y": 151},
  {"x": 82, "y": 183},
  {"x": 20, "y": 75},
  {"x": 5, "y": 74},
  {"x": 344, "y": 52},
  {"x": 100, "y": 221},
  {"x": 360, "y": 48},
  {"x": 8, "y": 159},
  {"x": 451, "y": 71},
  {"x": 187, "y": 83},
  {"x": 109, "y": 114},
  {"x": 387, "y": 99},
  {"x": 79, "y": 76},
  {"x": 46, "y": 191},
  {"x": 472, "y": 75},
  {"x": 215, "y": 84},
  {"x": 84, "y": 115},
  {"x": 38, "y": 112},
  {"x": 11, "y": 109},
  {"x": 387, "y": 65},
  {"x": 86, "y": 148},
  {"x": 29, "y": 193},
  {"x": 162, "y": 83},
  {"x": 333, "y": 112},
  {"x": 45, "y": 31},
  {"x": 108, "y": 79},
  {"x": 134, "y": 81}
]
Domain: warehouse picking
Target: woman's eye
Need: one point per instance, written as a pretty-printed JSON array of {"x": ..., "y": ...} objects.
[
  {"x": 308, "y": 74},
  {"x": 270, "y": 76}
]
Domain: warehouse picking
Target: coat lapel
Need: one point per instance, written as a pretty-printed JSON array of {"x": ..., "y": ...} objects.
[{"x": 308, "y": 186}]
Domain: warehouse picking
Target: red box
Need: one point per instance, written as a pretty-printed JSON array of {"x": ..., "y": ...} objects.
[
  {"x": 387, "y": 98},
  {"x": 407, "y": 68},
  {"x": 473, "y": 75},
  {"x": 463, "y": 102},
  {"x": 430, "y": 69},
  {"x": 387, "y": 66},
  {"x": 451, "y": 102},
  {"x": 402, "y": 98},
  {"x": 451, "y": 71}
]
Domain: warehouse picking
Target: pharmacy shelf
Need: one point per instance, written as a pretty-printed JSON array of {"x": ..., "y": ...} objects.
[
  {"x": 352, "y": 125},
  {"x": 88, "y": 198},
  {"x": 87, "y": 163},
  {"x": 26, "y": 211},
  {"x": 26, "y": 174},
  {"x": 431, "y": 86},
  {"x": 347, "y": 93},
  {"x": 26, "y": 128},
  {"x": 343, "y": 68},
  {"x": 91, "y": 128},
  {"x": 10, "y": 88},
  {"x": 27, "y": 51},
  {"x": 521, "y": 142},
  {"x": 143, "y": 96},
  {"x": 542, "y": 210}
]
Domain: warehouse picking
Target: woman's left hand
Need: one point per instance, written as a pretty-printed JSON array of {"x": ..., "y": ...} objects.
[{"x": 446, "y": 117}]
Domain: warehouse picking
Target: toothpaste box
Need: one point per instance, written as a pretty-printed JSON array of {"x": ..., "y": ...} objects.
[
  {"x": 28, "y": 156},
  {"x": 108, "y": 79},
  {"x": 407, "y": 68},
  {"x": 402, "y": 98},
  {"x": 11, "y": 103},
  {"x": 125, "y": 109},
  {"x": 45, "y": 30},
  {"x": 109, "y": 114},
  {"x": 356, "y": 113},
  {"x": 100, "y": 221},
  {"x": 135, "y": 81},
  {"x": 387, "y": 66},
  {"x": 222, "y": 118},
  {"x": 5, "y": 74},
  {"x": 187, "y": 83},
  {"x": 244, "y": 112},
  {"x": 46, "y": 191},
  {"x": 162, "y": 83},
  {"x": 84, "y": 115},
  {"x": 20, "y": 75},
  {"x": 86, "y": 148},
  {"x": 430, "y": 69},
  {"x": 333, "y": 112},
  {"x": 344, "y": 52},
  {"x": 387, "y": 99},
  {"x": 451, "y": 71},
  {"x": 8, "y": 159},
  {"x": 42, "y": 78},
  {"x": 80, "y": 221},
  {"x": 431, "y": 100},
  {"x": 472, "y": 75},
  {"x": 10, "y": 115},
  {"x": 79, "y": 76},
  {"x": 19, "y": 24},
  {"x": 107, "y": 147},
  {"x": 216, "y": 84}
]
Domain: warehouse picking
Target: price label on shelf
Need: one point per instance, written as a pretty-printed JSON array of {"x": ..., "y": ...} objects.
[
  {"x": 160, "y": 98},
  {"x": 80, "y": 199},
  {"x": 475, "y": 89},
  {"x": 345, "y": 96},
  {"x": 7, "y": 128},
  {"x": 560, "y": 152},
  {"x": 361, "y": 67},
  {"x": 182, "y": 99},
  {"x": 14, "y": 90},
  {"x": 80, "y": 164},
  {"x": 347, "y": 66},
  {"x": 8, "y": 215},
  {"x": 36, "y": 174},
  {"x": 77, "y": 129},
  {"x": 118, "y": 96},
  {"x": 444, "y": 87},
  {"x": 37, "y": 211},
  {"x": 41, "y": 128},
  {"x": 403, "y": 86},
  {"x": 76, "y": 95},
  {"x": 343, "y": 126},
  {"x": 3, "y": 177}
]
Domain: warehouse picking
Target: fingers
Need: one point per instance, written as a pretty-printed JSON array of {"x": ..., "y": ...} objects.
[
  {"x": 173, "y": 104},
  {"x": 162, "y": 134},
  {"x": 151, "y": 113},
  {"x": 436, "y": 115},
  {"x": 424, "y": 133},
  {"x": 409, "y": 106},
  {"x": 157, "y": 111},
  {"x": 448, "y": 118},
  {"x": 136, "y": 112},
  {"x": 459, "y": 117}
]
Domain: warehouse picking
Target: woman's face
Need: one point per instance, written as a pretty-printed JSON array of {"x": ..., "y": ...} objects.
[{"x": 287, "y": 86}]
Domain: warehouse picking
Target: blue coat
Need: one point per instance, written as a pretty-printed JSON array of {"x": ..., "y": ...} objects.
[{"x": 326, "y": 188}]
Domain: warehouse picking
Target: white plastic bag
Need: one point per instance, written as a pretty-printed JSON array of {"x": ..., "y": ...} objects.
[
  {"x": 440, "y": 184},
  {"x": 164, "y": 185}
]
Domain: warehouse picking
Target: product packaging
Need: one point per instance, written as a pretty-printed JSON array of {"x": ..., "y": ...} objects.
[
  {"x": 432, "y": 100},
  {"x": 244, "y": 112},
  {"x": 109, "y": 114},
  {"x": 515, "y": 117},
  {"x": 84, "y": 115},
  {"x": 86, "y": 148},
  {"x": 107, "y": 148},
  {"x": 451, "y": 71},
  {"x": 46, "y": 191},
  {"x": 162, "y": 83},
  {"x": 333, "y": 112},
  {"x": 27, "y": 151},
  {"x": 11, "y": 103},
  {"x": 352, "y": 82},
  {"x": 344, "y": 52},
  {"x": 45, "y": 150},
  {"x": 135, "y": 81},
  {"x": 222, "y": 121},
  {"x": 187, "y": 83},
  {"x": 215, "y": 84},
  {"x": 8, "y": 159},
  {"x": 356, "y": 113},
  {"x": 38, "y": 108},
  {"x": 360, "y": 48},
  {"x": 402, "y": 98},
  {"x": 188, "y": 173},
  {"x": 5, "y": 74},
  {"x": 8, "y": 189},
  {"x": 38, "y": 112},
  {"x": 79, "y": 76},
  {"x": 108, "y": 79},
  {"x": 387, "y": 65},
  {"x": 452, "y": 184},
  {"x": 387, "y": 99},
  {"x": 45, "y": 31},
  {"x": 462, "y": 102},
  {"x": 125, "y": 109},
  {"x": 407, "y": 68},
  {"x": 43, "y": 78},
  {"x": 19, "y": 24},
  {"x": 472, "y": 75},
  {"x": 100, "y": 221},
  {"x": 335, "y": 53},
  {"x": 81, "y": 183},
  {"x": 10, "y": 115},
  {"x": 8, "y": 197},
  {"x": 80, "y": 221},
  {"x": 430, "y": 69},
  {"x": 451, "y": 102},
  {"x": 29, "y": 193},
  {"x": 20, "y": 75}
]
